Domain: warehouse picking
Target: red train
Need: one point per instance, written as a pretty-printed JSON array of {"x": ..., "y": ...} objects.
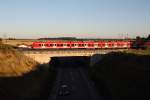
[
  {"x": 83, "y": 45},
  {"x": 147, "y": 44}
]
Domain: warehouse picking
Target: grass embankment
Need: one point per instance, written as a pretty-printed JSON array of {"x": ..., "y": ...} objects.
[
  {"x": 16, "y": 42},
  {"x": 123, "y": 76},
  {"x": 139, "y": 51},
  {"x": 21, "y": 78},
  {"x": 14, "y": 63}
]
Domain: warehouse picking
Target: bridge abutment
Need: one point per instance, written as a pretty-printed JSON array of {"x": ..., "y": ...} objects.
[{"x": 44, "y": 56}]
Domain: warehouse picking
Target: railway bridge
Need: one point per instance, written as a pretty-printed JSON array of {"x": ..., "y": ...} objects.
[{"x": 44, "y": 56}]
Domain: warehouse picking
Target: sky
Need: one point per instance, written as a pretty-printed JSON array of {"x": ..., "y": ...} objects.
[{"x": 74, "y": 18}]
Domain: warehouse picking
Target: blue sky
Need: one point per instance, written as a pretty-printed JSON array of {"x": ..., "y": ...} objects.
[{"x": 80, "y": 18}]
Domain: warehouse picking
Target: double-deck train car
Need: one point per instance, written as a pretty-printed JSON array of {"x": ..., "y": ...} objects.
[
  {"x": 82, "y": 45},
  {"x": 147, "y": 44}
]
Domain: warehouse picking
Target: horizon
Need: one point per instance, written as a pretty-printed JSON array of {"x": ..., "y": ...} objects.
[{"x": 74, "y": 18}]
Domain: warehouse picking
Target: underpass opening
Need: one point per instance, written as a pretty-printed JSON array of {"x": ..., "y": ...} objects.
[
  {"x": 72, "y": 72},
  {"x": 71, "y": 61}
]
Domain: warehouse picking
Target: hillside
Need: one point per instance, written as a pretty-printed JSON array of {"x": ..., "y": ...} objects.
[
  {"x": 21, "y": 78},
  {"x": 139, "y": 51},
  {"x": 14, "y": 63},
  {"x": 122, "y": 76}
]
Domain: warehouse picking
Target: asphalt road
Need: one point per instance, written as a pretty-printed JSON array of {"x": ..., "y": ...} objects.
[{"x": 79, "y": 85}]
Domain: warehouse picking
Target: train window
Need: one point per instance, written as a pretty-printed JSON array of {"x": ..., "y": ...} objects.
[
  {"x": 99, "y": 44},
  {"x": 76, "y": 44},
  {"x": 68, "y": 44},
  {"x": 54, "y": 44},
  {"x": 50, "y": 44},
  {"x": 82, "y": 44},
  {"x": 61, "y": 45},
  {"x": 72, "y": 45},
  {"x": 45, "y": 44},
  {"x": 95, "y": 44},
  {"x": 40, "y": 45}
]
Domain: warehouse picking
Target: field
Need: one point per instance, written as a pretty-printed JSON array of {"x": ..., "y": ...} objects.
[{"x": 19, "y": 41}]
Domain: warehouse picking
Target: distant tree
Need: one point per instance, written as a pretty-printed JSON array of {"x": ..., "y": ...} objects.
[
  {"x": 148, "y": 38},
  {"x": 140, "y": 42},
  {"x": 1, "y": 40},
  {"x": 11, "y": 39}
]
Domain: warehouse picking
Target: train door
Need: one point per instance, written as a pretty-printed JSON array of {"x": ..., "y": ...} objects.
[
  {"x": 54, "y": 45},
  {"x": 106, "y": 45},
  {"x": 76, "y": 45},
  {"x": 42, "y": 45},
  {"x": 85, "y": 45},
  {"x": 95, "y": 45},
  {"x": 115, "y": 45},
  {"x": 64, "y": 45},
  {"x": 125, "y": 45}
]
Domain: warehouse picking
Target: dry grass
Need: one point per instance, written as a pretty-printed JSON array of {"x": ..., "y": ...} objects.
[
  {"x": 16, "y": 42},
  {"x": 139, "y": 51},
  {"x": 25, "y": 41},
  {"x": 35, "y": 85},
  {"x": 14, "y": 63},
  {"x": 21, "y": 78}
]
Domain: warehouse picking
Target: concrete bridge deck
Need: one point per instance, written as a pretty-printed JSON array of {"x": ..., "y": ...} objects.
[{"x": 43, "y": 56}]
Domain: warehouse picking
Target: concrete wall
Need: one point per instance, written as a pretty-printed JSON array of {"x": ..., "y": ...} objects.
[
  {"x": 40, "y": 58},
  {"x": 46, "y": 57}
]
